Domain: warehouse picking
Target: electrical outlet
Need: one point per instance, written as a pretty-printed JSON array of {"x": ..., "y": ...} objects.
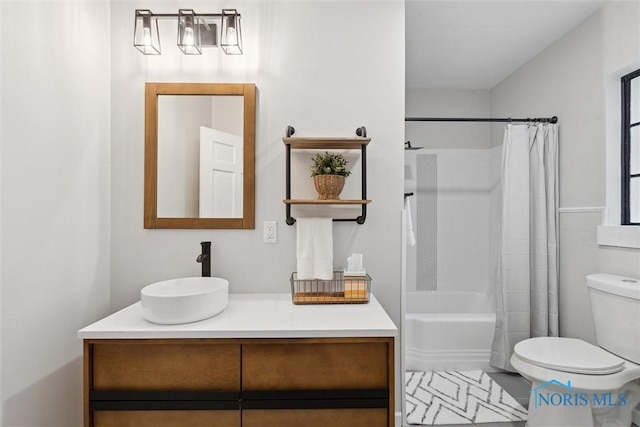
[{"x": 270, "y": 232}]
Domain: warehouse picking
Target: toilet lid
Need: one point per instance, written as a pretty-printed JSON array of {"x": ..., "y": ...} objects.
[{"x": 568, "y": 355}]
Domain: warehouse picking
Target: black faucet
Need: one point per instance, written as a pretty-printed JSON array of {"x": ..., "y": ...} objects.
[{"x": 205, "y": 259}]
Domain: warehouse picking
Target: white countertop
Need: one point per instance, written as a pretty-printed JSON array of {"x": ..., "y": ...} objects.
[{"x": 255, "y": 316}]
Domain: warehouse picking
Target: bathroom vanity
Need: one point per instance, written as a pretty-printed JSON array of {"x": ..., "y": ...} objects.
[{"x": 262, "y": 362}]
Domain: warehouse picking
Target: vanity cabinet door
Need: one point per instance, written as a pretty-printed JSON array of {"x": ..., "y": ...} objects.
[
  {"x": 315, "y": 365},
  {"x": 339, "y": 382},
  {"x": 165, "y": 365},
  {"x": 162, "y": 383},
  {"x": 315, "y": 418},
  {"x": 166, "y": 419}
]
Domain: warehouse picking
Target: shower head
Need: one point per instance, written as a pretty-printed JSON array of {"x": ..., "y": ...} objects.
[{"x": 407, "y": 146}]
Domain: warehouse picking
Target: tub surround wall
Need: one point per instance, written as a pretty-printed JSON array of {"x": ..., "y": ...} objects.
[
  {"x": 568, "y": 79},
  {"x": 462, "y": 220},
  {"x": 55, "y": 137}
]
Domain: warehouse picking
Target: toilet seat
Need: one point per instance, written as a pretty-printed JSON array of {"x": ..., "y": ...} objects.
[{"x": 568, "y": 355}]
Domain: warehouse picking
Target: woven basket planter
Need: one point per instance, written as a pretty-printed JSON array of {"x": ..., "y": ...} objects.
[{"x": 329, "y": 187}]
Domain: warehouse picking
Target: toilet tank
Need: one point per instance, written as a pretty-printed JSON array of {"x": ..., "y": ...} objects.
[{"x": 615, "y": 304}]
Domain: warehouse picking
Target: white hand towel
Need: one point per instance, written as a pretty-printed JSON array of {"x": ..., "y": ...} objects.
[
  {"x": 304, "y": 248},
  {"x": 323, "y": 248},
  {"x": 314, "y": 248},
  {"x": 411, "y": 237}
]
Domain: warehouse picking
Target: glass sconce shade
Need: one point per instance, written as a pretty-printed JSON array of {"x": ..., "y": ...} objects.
[
  {"x": 231, "y": 40},
  {"x": 145, "y": 34},
  {"x": 189, "y": 32}
]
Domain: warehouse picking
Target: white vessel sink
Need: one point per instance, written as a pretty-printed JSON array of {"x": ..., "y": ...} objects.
[{"x": 185, "y": 300}]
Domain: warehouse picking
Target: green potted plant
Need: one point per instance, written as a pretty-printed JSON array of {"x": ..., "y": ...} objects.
[{"x": 329, "y": 171}]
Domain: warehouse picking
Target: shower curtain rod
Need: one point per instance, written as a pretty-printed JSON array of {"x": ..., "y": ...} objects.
[{"x": 553, "y": 119}]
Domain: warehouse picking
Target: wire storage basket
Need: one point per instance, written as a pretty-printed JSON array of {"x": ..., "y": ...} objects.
[{"x": 338, "y": 290}]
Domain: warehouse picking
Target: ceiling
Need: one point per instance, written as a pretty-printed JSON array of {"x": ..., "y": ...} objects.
[{"x": 475, "y": 44}]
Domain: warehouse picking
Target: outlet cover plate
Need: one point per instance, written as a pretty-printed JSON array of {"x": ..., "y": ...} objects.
[{"x": 270, "y": 232}]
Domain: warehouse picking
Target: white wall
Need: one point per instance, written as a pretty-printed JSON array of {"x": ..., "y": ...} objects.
[
  {"x": 569, "y": 80},
  {"x": 55, "y": 202},
  {"x": 307, "y": 76},
  {"x": 323, "y": 72},
  {"x": 1, "y": 144}
]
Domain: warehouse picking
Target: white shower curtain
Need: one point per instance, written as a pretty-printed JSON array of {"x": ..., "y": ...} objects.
[{"x": 527, "y": 271}]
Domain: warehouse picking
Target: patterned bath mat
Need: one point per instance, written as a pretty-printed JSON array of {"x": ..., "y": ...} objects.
[{"x": 458, "y": 397}]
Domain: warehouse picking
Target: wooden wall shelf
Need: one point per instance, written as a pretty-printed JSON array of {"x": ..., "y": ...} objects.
[
  {"x": 326, "y": 143},
  {"x": 359, "y": 142}
]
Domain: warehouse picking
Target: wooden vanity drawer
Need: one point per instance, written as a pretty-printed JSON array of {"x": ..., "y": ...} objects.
[
  {"x": 315, "y": 365},
  {"x": 165, "y": 365},
  {"x": 166, "y": 419},
  {"x": 314, "y": 418}
]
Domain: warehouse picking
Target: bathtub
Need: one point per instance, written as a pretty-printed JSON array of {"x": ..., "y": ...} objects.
[{"x": 448, "y": 331}]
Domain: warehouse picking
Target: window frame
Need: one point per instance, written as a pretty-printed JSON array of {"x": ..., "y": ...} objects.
[{"x": 626, "y": 148}]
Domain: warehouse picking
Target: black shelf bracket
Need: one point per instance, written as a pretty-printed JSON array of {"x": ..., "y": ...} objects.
[
  {"x": 361, "y": 132},
  {"x": 290, "y": 220},
  {"x": 290, "y": 131},
  {"x": 360, "y": 219}
]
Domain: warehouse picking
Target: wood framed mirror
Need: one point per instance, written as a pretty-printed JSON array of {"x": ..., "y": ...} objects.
[{"x": 199, "y": 156}]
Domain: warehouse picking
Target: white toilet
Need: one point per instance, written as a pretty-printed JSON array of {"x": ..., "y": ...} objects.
[{"x": 575, "y": 383}]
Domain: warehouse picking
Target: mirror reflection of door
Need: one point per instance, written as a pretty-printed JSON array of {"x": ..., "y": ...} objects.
[
  {"x": 180, "y": 167},
  {"x": 220, "y": 174}
]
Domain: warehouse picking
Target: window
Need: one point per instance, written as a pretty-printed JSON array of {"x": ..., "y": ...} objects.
[{"x": 631, "y": 149}]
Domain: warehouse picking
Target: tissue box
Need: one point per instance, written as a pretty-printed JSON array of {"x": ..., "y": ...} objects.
[{"x": 339, "y": 290}]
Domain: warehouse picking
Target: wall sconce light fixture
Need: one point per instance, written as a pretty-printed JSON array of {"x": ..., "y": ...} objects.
[
  {"x": 145, "y": 36},
  {"x": 231, "y": 41},
  {"x": 195, "y": 31},
  {"x": 189, "y": 33}
]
